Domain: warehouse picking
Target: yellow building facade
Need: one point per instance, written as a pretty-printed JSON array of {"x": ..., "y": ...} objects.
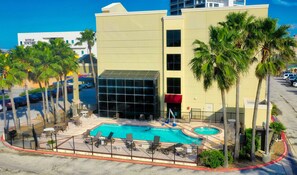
[{"x": 153, "y": 41}]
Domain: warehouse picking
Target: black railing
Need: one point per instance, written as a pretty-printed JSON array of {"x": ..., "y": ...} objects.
[{"x": 118, "y": 149}]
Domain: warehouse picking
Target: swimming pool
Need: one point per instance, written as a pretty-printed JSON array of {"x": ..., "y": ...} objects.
[
  {"x": 206, "y": 130},
  {"x": 172, "y": 135}
]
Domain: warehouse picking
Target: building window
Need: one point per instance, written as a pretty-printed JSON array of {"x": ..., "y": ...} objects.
[
  {"x": 72, "y": 41},
  {"x": 21, "y": 42},
  {"x": 67, "y": 41},
  {"x": 173, "y": 61},
  {"x": 173, "y": 38},
  {"x": 173, "y": 85},
  {"x": 82, "y": 52}
]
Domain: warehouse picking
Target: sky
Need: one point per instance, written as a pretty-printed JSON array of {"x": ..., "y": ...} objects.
[{"x": 21, "y": 16}]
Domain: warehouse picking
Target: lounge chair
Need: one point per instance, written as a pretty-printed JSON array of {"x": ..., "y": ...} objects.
[
  {"x": 154, "y": 146},
  {"x": 106, "y": 140},
  {"x": 170, "y": 148},
  {"x": 129, "y": 142},
  {"x": 185, "y": 151},
  {"x": 91, "y": 140},
  {"x": 86, "y": 134}
]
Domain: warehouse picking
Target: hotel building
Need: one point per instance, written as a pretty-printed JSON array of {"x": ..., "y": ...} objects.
[
  {"x": 177, "y": 5},
  {"x": 144, "y": 65}
]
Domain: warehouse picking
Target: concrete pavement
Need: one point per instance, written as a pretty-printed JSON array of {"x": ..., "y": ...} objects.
[{"x": 284, "y": 96}]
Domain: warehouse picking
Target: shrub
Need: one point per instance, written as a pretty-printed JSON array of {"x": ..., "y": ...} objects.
[
  {"x": 245, "y": 151},
  {"x": 277, "y": 127},
  {"x": 275, "y": 111},
  {"x": 51, "y": 142},
  {"x": 212, "y": 158}
]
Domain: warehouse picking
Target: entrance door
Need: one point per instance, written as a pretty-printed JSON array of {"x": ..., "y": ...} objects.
[{"x": 176, "y": 109}]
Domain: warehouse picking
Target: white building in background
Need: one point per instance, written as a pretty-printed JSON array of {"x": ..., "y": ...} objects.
[
  {"x": 177, "y": 5},
  {"x": 28, "y": 39}
]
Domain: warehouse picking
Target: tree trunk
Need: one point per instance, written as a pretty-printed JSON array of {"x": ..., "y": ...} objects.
[
  {"x": 43, "y": 104},
  {"x": 46, "y": 102},
  {"x": 15, "y": 118},
  {"x": 267, "y": 116},
  {"x": 225, "y": 129},
  {"x": 65, "y": 97},
  {"x": 255, "y": 119},
  {"x": 57, "y": 118},
  {"x": 95, "y": 80},
  {"x": 92, "y": 65},
  {"x": 28, "y": 104},
  {"x": 237, "y": 144}
]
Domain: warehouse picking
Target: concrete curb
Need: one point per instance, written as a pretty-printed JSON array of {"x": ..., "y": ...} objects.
[{"x": 148, "y": 163}]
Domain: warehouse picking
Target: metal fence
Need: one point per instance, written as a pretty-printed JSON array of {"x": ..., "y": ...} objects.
[
  {"x": 117, "y": 149},
  {"x": 197, "y": 115}
]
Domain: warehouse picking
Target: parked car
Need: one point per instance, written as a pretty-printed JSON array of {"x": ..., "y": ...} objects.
[
  {"x": 8, "y": 104},
  {"x": 20, "y": 101},
  {"x": 35, "y": 98},
  {"x": 295, "y": 84},
  {"x": 38, "y": 95},
  {"x": 69, "y": 89},
  {"x": 89, "y": 85},
  {"x": 80, "y": 87},
  {"x": 291, "y": 78},
  {"x": 286, "y": 75}
]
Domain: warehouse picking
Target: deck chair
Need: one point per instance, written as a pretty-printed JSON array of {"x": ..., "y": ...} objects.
[
  {"x": 86, "y": 134},
  {"x": 109, "y": 138},
  {"x": 90, "y": 140},
  {"x": 106, "y": 140},
  {"x": 130, "y": 143},
  {"x": 154, "y": 146},
  {"x": 170, "y": 148}
]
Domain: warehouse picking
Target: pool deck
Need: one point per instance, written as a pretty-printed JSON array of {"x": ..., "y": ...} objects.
[{"x": 210, "y": 142}]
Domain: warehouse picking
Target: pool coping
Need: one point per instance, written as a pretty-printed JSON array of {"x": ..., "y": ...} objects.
[
  {"x": 181, "y": 129},
  {"x": 195, "y": 168}
]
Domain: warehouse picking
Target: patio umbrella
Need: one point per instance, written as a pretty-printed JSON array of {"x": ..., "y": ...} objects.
[{"x": 34, "y": 136}]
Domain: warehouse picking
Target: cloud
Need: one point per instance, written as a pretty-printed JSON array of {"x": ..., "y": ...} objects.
[{"x": 285, "y": 2}]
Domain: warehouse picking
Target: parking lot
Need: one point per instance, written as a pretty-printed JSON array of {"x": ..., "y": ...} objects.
[
  {"x": 284, "y": 96},
  {"x": 87, "y": 97}
]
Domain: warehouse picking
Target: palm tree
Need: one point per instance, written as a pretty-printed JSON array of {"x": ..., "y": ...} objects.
[
  {"x": 242, "y": 26},
  {"x": 12, "y": 75},
  {"x": 275, "y": 48},
  {"x": 44, "y": 70},
  {"x": 215, "y": 63},
  {"x": 65, "y": 56},
  {"x": 89, "y": 37},
  {"x": 22, "y": 55}
]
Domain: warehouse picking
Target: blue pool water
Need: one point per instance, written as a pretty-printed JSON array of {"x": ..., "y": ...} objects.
[
  {"x": 172, "y": 135},
  {"x": 206, "y": 130}
]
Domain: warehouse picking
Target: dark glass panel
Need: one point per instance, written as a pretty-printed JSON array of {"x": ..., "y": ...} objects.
[
  {"x": 102, "y": 82},
  {"x": 102, "y": 97},
  {"x": 111, "y": 82},
  {"x": 129, "y": 98}
]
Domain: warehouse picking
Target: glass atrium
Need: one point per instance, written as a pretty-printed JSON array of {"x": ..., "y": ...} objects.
[{"x": 129, "y": 94}]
